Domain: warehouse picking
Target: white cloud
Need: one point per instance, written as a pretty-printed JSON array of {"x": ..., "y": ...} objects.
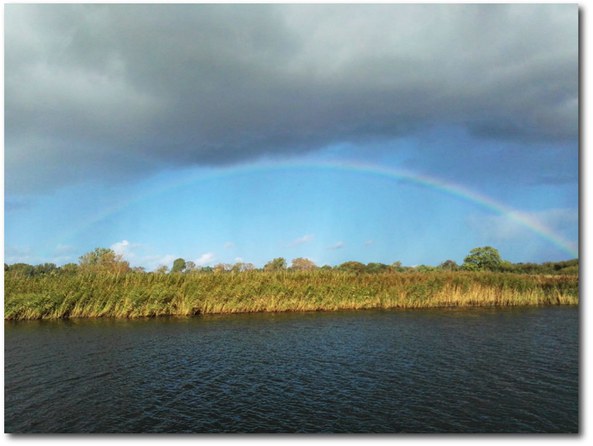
[
  {"x": 167, "y": 259},
  {"x": 229, "y": 245},
  {"x": 369, "y": 242},
  {"x": 238, "y": 259},
  {"x": 496, "y": 227},
  {"x": 64, "y": 249},
  {"x": 19, "y": 254},
  {"x": 24, "y": 254},
  {"x": 63, "y": 259},
  {"x": 302, "y": 240},
  {"x": 129, "y": 252},
  {"x": 338, "y": 245},
  {"x": 18, "y": 250},
  {"x": 503, "y": 228},
  {"x": 151, "y": 262},
  {"x": 204, "y": 259},
  {"x": 121, "y": 248},
  {"x": 557, "y": 218}
]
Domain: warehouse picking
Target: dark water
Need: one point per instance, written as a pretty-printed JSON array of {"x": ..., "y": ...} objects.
[{"x": 475, "y": 370}]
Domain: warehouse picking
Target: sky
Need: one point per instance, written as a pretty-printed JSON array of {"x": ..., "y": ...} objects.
[{"x": 241, "y": 133}]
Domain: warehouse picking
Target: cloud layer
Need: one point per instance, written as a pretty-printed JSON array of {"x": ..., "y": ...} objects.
[
  {"x": 110, "y": 92},
  {"x": 500, "y": 230},
  {"x": 302, "y": 240}
]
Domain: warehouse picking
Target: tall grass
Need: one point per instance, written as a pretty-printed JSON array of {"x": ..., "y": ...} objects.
[{"x": 134, "y": 295}]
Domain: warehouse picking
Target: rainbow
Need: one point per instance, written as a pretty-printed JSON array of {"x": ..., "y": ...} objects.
[{"x": 357, "y": 167}]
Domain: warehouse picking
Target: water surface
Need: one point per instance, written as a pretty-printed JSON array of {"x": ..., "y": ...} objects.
[{"x": 468, "y": 370}]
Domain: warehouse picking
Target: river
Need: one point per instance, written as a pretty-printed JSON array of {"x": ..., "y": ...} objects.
[{"x": 418, "y": 371}]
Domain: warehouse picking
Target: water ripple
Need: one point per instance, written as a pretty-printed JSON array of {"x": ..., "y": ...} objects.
[{"x": 478, "y": 370}]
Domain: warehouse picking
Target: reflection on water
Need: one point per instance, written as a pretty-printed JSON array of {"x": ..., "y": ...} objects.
[{"x": 472, "y": 370}]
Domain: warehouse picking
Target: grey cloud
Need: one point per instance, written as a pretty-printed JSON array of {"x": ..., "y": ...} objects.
[{"x": 117, "y": 91}]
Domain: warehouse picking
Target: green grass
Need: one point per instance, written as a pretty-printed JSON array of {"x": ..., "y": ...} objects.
[{"x": 132, "y": 295}]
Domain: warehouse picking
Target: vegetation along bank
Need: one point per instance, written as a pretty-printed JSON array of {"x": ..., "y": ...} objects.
[{"x": 103, "y": 285}]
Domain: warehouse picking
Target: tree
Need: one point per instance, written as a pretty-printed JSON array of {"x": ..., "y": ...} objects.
[
  {"x": 95, "y": 257},
  {"x": 424, "y": 268},
  {"x": 449, "y": 265},
  {"x": 397, "y": 266},
  {"x": 163, "y": 269},
  {"x": 222, "y": 267},
  {"x": 242, "y": 266},
  {"x": 375, "y": 267},
  {"x": 277, "y": 264},
  {"x": 247, "y": 266},
  {"x": 69, "y": 268},
  {"x": 485, "y": 258},
  {"x": 302, "y": 264},
  {"x": 22, "y": 268},
  {"x": 103, "y": 260},
  {"x": 352, "y": 267},
  {"x": 190, "y": 266},
  {"x": 45, "y": 268},
  {"x": 178, "y": 266}
]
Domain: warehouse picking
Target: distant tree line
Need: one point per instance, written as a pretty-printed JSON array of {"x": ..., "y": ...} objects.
[{"x": 479, "y": 259}]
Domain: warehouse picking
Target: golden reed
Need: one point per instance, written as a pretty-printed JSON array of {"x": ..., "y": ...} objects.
[{"x": 133, "y": 295}]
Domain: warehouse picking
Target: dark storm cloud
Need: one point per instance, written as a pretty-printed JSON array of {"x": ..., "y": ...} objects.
[{"x": 113, "y": 91}]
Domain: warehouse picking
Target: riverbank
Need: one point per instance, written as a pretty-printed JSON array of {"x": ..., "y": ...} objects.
[{"x": 134, "y": 295}]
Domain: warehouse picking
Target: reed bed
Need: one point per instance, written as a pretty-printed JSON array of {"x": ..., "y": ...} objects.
[{"x": 133, "y": 295}]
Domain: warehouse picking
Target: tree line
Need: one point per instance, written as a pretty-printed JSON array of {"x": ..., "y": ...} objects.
[{"x": 484, "y": 258}]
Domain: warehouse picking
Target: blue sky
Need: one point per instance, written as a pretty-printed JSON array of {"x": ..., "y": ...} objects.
[{"x": 220, "y": 133}]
